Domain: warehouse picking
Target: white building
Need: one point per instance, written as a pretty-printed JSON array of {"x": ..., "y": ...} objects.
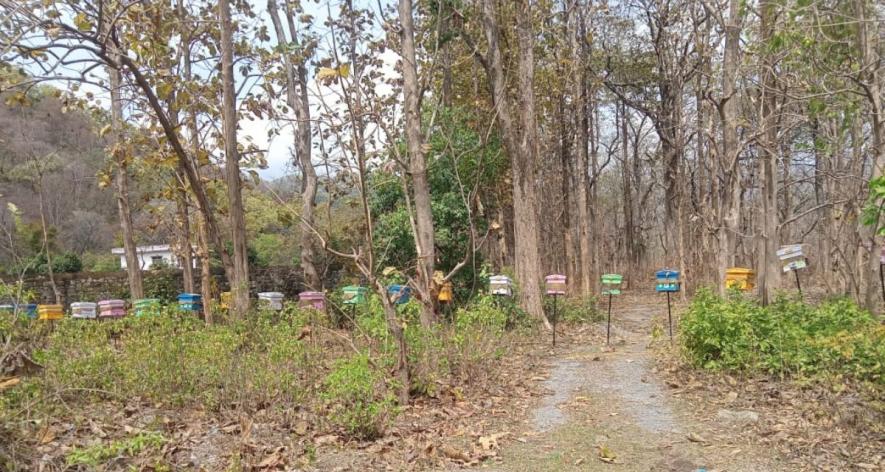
[{"x": 150, "y": 255}]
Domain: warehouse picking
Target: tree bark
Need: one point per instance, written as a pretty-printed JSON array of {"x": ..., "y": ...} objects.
[
  {"x": 767, "y": 273},
  {"x": 581, "y": 145},
  {"x": 121, "y": 186},
  {"x": 240, "y": 280},
  {"x": 424, "y": 237},
  {"x": 298, "y": 100},
  {"x": 729, "y": 152}
]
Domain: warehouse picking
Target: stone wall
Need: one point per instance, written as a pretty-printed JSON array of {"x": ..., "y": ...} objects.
[{"x": 165, "y": 284}]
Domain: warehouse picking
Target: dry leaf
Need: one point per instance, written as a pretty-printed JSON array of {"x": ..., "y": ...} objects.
[
  {"x": 606, "y": 455},
  {"x": 9, "y": 383},
  {"x": 491, "y": 441},
  {"x": 300, "y": 427},
  {"x": 693, "y": 437},
  {"x": 46, "y": 435},
  {"x": 453, "y": 453}
]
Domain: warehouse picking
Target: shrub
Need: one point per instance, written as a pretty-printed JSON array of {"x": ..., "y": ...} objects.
[
  {"x": 359, "y": 401},
  {"x": 573, "y": 309},
  {"x": 788, "y": 337}
]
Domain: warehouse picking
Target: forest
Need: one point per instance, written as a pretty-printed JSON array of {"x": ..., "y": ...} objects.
[{"x": 507, "y": 217}]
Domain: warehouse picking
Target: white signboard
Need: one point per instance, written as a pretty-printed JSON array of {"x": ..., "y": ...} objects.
[
  {"x": 789, "y": 252},
  {"x": 795, "y": 265}
]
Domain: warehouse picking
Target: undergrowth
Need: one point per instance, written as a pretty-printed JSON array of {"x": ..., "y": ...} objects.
[
  {"x": 289, "y": 360},
  {"x": 833, "y": 340}
]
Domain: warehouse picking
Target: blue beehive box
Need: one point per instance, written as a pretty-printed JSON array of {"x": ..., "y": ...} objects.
[
  {"x": 190, "y": 302},
  {"x": 399, "y": 294},
  {"x": 29, "y": 310},
  {"x": 667, "y": 280}
]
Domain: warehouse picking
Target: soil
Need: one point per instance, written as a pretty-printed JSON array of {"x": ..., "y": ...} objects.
[{"x": 609, "y": 408}]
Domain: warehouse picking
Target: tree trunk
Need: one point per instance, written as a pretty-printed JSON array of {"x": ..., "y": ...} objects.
[
  {"x": 121, "y": 186},
  {"x": 581, "y": 144},
  {"x": 527, "y": 261},
  {"x": 872, "y": 78},
  {"x": 298, "y": 100},
  {"x": 424, "y": 237},
  {"x": 729, "y": 152},
  {"x": 185, "y": 250},
  {"x": 767, "y": 272},
  {"x": 240, "y": 280}
]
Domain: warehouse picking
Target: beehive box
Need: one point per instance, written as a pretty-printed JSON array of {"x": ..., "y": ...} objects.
[
  {"x": 111, "y": 309},
  {"x": 611, "y": 284},
  {"x": 399, "y": 294},
  {"x": 555, "y": 284},
  {"x": 667, "y": 280},
  {"x": 446, "y": 293},
  {"x": 29, "y": 310},
  {"x": 501, "y": 285},
  {"x": 190, "y": 302},
  {"x": 315, "y": 300},
  {"x": 84, "y": 310},
  {"x": 740, "y": 278},
  {"x": 271, "y": 300},
  {"x": 50, "y": 312},
  {"x": 146, "y": 307},
  {"x": 354, "y": 295}
]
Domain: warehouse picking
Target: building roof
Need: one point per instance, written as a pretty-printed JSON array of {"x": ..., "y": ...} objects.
[{"x": 144, "y": 249}]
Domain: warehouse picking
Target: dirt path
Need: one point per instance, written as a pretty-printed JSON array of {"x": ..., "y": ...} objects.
[{"x": 609, "y": 410}]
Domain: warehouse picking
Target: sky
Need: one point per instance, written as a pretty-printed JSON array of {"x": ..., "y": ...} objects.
[{"x": 279, "y": 150}]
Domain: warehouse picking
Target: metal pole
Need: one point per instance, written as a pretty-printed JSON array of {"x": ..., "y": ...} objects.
[
  {"x": 882, "y": 279},
  {"x": 669, "y": 317},
  {"x": 608, "y": 325},
  {"x": 798, "y": 285},
  {"x": 554, "y": 320}
]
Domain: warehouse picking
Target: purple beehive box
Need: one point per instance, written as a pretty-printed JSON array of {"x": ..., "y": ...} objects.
[
  {"x": 555, "y": 284},
  {"x": 315, "y": 300}
]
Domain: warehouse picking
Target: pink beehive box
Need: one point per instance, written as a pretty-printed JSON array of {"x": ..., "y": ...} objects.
[
  {"x": 111, "y": 309},
  {"x": 555, "y": 284},
  {"x": 315, "y": 300}
]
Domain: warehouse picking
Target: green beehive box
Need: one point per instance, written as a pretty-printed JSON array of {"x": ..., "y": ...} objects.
[
  {"x": 354, "y": 295},
  {"x": 146, "y": 306},
  {"x": 611, "y": 284}
]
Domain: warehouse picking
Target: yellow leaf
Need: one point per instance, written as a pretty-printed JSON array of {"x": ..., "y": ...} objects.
[
  {"x": 164, "y": 90},
  {"x": 326, "y": 73},
  {"x": 388, "y": 270},
  {"x": 105, "y": 130},
  {"x": 82, "y": 23},
  {"x": 344, "y": 70}
]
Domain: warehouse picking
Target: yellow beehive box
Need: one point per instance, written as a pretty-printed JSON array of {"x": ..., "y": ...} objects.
[
  {"x": 445, "y": 293},
  {"x": 50, "y": 312},
  {"x": 740, "y": 278}
]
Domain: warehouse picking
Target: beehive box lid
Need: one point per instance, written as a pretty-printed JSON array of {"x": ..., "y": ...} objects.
[
  {"x": 500, "y": 279},
  {"x": 311, "y": 296},
  {"x": 354, "y": 289},
  {"x": 612, "y": 278},
  {"x": 269, "y": 295},
  {"x": 739, "y": 271},
  {"x": 555, "y": 278},
  {"x": 667, "y": 274}
]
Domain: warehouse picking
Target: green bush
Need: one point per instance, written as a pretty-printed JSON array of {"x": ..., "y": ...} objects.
[
  {"x": 787, "y": 337},
  {"x": 358, "y": 399},
  {"x": 573, "y": 309},
  {"x": 174, "y": 358},
  {"x": 99, "y": 454}
]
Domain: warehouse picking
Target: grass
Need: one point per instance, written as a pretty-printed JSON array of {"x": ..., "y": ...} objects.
[{"x": 99, "y": 454}]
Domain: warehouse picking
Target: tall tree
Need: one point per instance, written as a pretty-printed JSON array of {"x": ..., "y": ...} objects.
[
  {"x": 240, "y": 275},
  {"x": 424, "y": 237}
]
